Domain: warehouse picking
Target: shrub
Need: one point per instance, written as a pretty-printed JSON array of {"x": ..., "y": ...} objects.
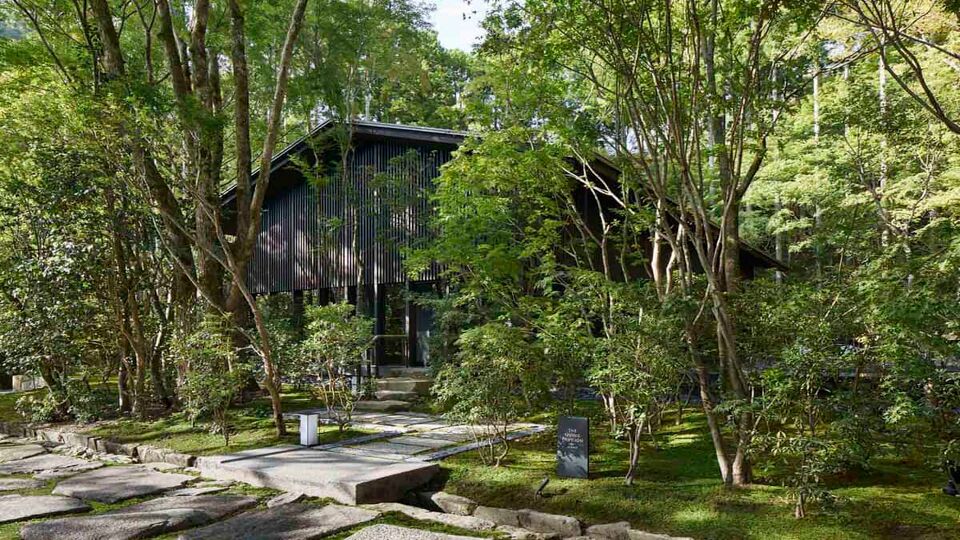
[
  {"x": 337, "y": 340},
  {"x": 495, "y": 378},
  {"x": 77, "y": 400},
  {"x": 214, "y": 377}
]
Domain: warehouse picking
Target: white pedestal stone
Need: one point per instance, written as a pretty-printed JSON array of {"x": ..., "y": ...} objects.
[{"x": 308, "y": 429}]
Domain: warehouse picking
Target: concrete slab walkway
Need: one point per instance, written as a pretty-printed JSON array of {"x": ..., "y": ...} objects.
[
  {"x": 346, "y": 478},
  {"x": 368, "y": 469}
]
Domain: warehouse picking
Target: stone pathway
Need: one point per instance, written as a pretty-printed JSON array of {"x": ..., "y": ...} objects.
[
  {"x": 379, "y": 467},
  {"x": 409, "y": 436},
  {"x": 392, "y": 532},
  {"x": 158, "y": 516},
  {"x": 19, "y": 507},
  {"x": 292, "y": 521},
  {"x": 373, "y": 468},
  {"x": 119, "y": 483}
]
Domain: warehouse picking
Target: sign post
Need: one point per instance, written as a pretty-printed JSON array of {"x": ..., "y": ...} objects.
[{"x": 573, "y": 447}]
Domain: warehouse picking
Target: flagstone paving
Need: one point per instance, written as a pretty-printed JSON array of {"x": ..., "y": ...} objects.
[
  {"x": 150, "y": 518},
  {"x": 294, "y": 521},
  {"x": 392, "y": 532},
  {"x": 374, "y": 468},
  {"x": 114, "y": 484},
  {"x": 19, "y": 507},
  {"x": 13, "y": 484},
  {"x": 20, "y": 451},
  {"x": 47, "y": 462}
]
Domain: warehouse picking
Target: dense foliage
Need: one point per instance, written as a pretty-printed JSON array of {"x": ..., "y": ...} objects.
[{"x": 599, "y": 235}]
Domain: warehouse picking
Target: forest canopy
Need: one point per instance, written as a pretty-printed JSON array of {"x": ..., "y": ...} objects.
[{"x": 826, "y": 134}]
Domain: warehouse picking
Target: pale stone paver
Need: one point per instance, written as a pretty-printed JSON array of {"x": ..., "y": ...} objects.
[
  {"x": 464, "y": 522},
  {"x": 12, "y": 452},
  {"x": 15, "y": 484},
  {"x": 288, "y": 522},
  {"x": 390, "y": 447},
  {"x": 151, "y": 518},
  {"x": 114, "y": 484},
  {"x": 438, "y": 438},
  {"x": 429, "y": 442},
  {"x": 20, "y": 507},
  {"x": 286, "y": 498},
  {"x": 392, "y": 532},
  {"x": 194, "y": 491},
  {"x": 347, "y": 476},
  {"x": 46, "y": 462}
]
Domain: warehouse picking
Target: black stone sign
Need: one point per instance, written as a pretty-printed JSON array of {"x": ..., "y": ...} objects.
[{"x": 573, "y": 447}]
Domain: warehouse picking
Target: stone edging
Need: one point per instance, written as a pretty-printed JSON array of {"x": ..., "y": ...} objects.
[
  {"x": 517, "y": 523},
  {"x": 144, "y": 453}
]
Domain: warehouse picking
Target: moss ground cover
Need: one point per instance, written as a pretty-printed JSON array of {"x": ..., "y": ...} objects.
[{"x": 678, "y": 491}]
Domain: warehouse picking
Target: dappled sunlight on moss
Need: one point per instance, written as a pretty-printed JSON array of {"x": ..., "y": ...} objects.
[{"x": 678, "y": 491}]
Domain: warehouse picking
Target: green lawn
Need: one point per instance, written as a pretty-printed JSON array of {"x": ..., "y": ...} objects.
[
  {"x": 678, "y": 491},
  {"x": 252, "y": 427}
]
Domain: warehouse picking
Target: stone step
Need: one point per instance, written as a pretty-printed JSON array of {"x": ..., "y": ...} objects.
[
  {"x": 406, "y": 384},
  {"x": 346, "y": 478},
  {"x": 390, "y": 405},
  {"x": 399, "y": 371},
  {"x": 398, "y": 395}
]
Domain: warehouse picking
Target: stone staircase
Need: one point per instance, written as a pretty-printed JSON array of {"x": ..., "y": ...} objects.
[{"x": 397, "y": 387}]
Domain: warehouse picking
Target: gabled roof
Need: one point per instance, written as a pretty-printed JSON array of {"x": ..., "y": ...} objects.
[
  {"x": 430, "y": 135},
  {"x": 363, "y": 128}
]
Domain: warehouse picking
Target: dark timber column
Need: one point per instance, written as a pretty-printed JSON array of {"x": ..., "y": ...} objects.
[{"x": 380, "y": 322}]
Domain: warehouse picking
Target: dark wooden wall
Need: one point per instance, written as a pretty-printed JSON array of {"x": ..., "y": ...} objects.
[{"x": 307, "y": 233}]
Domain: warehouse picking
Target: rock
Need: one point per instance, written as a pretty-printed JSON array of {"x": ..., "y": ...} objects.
[
  {"x": 285, "y": 498},
  {"x": 49, "y": 435},
  {"x": 92, "y": 443},
  {"x": 78, "y": 440},
  {"x": 111, "y": 447},
  {"x": 517, "y": 533},
  {"x": 152, "y": 454},
  {"x": 500, "y": 516},
  {"x": 472, "y": 523},
  {"x": 392, "y": 532},
  {"x": 194, "y": 491},
  {"x": 46, "y": 462},
  {"x": 565, "y": 526},
  {"x": 149, "y": 454},
  {"x": 287, "y": 522},
  {"x": 114, "y": 484},
  {"x": 214, "y": 506},
  {"x": 610, "y": 531},
  {"x": 178, "y": 459},
  {"x": 152, "y": 518},
  {"x": 20, "y": 507},
  {"x": 101, "y": 445},
  {"x": 13, "y": 484},
  {"x": 454, "y": 504},
  {"x": 14, "y": 452}
]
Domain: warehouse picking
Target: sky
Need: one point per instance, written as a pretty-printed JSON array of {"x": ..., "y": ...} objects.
[{"x": 453, "y": 30}]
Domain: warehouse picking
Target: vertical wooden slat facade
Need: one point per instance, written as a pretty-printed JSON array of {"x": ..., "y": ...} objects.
[{"x": 307, "y": 230}]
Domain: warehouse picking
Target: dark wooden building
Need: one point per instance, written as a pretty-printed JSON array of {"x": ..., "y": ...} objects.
[{"x": 336, "y": 228}]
